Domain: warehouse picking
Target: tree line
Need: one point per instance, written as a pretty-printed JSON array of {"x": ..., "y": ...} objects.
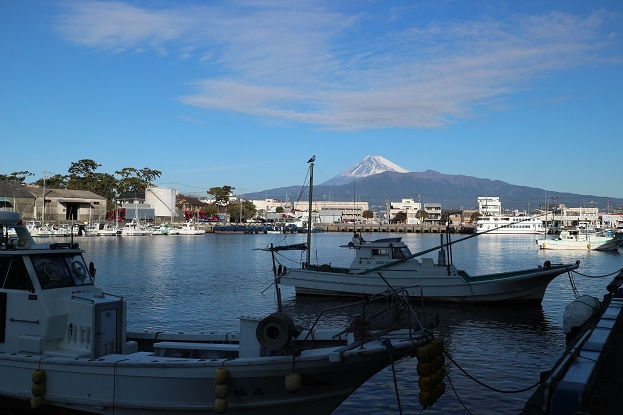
[{"x": 83, "y": 175}]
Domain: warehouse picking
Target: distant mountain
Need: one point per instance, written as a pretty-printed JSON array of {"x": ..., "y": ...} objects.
[
  {"x": 369, "y": 166},
  {"x": 451, "y": 191}
]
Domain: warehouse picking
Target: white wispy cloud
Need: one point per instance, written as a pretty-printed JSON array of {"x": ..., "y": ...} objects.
[{"x": 308, "y": 62}]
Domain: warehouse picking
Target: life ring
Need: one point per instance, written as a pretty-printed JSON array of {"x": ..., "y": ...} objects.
[{"x": 79, "y": 269}]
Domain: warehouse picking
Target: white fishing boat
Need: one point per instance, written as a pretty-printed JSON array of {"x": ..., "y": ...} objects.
[
  {"x": 106, "y": 229},
  {"x": 506, "y": 225},
  {"x": 389, "y": 261},
  {"x": 160, "y": 230},
  {"x": 189, "y": 228},
  {"x": 578, "y": 239},
  {"x": 64, "y": 347},
  {"x": 134, "y": 228}
]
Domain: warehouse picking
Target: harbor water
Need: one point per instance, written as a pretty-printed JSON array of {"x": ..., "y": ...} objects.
[{"x": 206, "y": 282}]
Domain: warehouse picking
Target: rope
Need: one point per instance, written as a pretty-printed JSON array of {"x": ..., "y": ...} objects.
[
  {"x": 388, "y": 344},
  {"x": 573, "y": 287},
  {"x": 456, "y": 394},
  {"x": 485, "y": 385},
  {"x": 598, "y": 276}
]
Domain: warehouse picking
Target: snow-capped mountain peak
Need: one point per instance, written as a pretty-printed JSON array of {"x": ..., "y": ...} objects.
[{"x": 367, "y": 167}]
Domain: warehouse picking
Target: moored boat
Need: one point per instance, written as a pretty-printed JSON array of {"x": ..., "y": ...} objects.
[
  {"x": 65, "y": 347},
  {"x": 389, "y": 261},
  {"x": 501, "y": 224},
  {"x": 578, "y": 239}
]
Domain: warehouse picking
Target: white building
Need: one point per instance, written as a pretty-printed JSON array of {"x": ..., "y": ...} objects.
[
  {"x": 408, "y": 206},
  {"x": 489, "y": 206}
]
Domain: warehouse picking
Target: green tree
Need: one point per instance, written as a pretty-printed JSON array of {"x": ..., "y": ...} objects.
[
  {"x": 474, "y": 216},
  {"x": 401, "y": 217},
  {"x": 367, "y": 214},
  {"x": 421, "y": 215},
  {"x": 58, "y": 181},
  {"x": 134, "y": 180},
  {"x": 221, "y": 196},
  {"x": 82, "y": 175},
  {"x": 16, "y": 176},
  {"x": 279, "y": 209}
]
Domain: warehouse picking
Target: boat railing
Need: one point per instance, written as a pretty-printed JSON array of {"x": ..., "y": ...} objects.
[{"x": 399, "y": 301}]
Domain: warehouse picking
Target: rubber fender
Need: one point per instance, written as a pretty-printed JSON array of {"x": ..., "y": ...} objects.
[{"x": 275, "y": 331}]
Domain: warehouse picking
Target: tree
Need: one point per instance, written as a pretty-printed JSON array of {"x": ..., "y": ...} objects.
[
  {"x": 58, "y": 181},
  {"x": 367, "y": 214},
  {"x": 474, "y": 216},
  {"x": 421, "y": 215},
  {"x": 16, "y": 176},
  {"x": 133, "y": 180},
  {"x": 82, "y": 174},
  {"x": 279, "y": 209},
  {"x": 401, "y": 217},
  {"x": 221, "y": 195}
]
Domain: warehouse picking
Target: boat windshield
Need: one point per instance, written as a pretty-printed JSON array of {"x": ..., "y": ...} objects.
[
  {"x": 57, "y": 271},
  {"x": 400, "y": 253}
]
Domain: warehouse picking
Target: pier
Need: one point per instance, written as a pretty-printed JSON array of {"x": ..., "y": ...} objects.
[{"x": 587, "y": 378}]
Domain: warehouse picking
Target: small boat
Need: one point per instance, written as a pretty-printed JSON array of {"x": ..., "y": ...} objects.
[
  {"x": 160, "y": 230},
  {"x": 388, "y": 261},
  {"x": 106, "y": 229},
  {"x": 134, "y": 228},
  {"x": 578, "y": 239},
  {"x": 64, "y": 347},
  {"x": 501, "y": 224},
  {"x": 190, "y": 229}
]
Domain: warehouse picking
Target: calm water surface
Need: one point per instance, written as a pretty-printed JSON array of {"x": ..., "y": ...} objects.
[{"x": 205, "y": 283}]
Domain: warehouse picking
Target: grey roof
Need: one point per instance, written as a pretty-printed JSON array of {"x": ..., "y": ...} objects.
[
  {"x": 14, "y": 189},
  {"x": 64, "y": 193}
]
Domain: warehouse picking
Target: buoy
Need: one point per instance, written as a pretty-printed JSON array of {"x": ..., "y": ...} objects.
[
  {"x": 426, "y": 399},
  {"x": 221, "y": 391},
  {"x": 424, "y": 369},
  {"x": 220, "y": 406},
  {"x": 426, "y": 383},
  {"x": 294, "y": 381},
  {"x": 38, "y": 376},
  {"x": 588, "y": 246},
  {"x": 221, "y": 376},
  {"x": 36, "y": 402},
  {"x": 425, "y": 353},
  {"x": 38, "y": 389},
  {"x": 438, "y": 344}
]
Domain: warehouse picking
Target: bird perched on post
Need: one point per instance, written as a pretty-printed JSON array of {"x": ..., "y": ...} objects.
[{"x": 312, "y": 159}]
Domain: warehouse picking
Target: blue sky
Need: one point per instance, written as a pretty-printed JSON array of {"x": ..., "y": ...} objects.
[{"x": 242, "y": 93}]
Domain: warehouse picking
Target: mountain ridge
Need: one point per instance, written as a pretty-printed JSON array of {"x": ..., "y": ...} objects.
[{"x": 430, "y": 186}]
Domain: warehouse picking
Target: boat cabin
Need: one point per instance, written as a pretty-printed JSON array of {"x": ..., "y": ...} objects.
[{"x": 48, "y": 301}]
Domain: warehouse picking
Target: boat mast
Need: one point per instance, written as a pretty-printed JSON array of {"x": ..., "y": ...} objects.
[{"x": 309, "y": 209}]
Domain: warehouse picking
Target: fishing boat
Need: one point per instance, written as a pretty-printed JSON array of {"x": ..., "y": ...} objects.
[
  {"x": 64, "y": 347},
  {"x": 578, "y": 239},
  {"x": 189, "y": 228},
  {"x": 389, "y": 261},
  {"x": 501, "y": 224}
]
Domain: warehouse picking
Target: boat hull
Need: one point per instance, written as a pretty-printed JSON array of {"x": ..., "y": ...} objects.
[
  {"x": 141, "y": 383},
  {"x": 595, "y": 244},
  {"x": 435, "y": 284}
]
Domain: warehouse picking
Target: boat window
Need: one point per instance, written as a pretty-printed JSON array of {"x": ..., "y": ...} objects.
[
  {"x": 14, "y": 275},
  {"x": 397, "y": 253},
  {"x": 380, "y": 252},
  {"x": 56, "y": 271}
]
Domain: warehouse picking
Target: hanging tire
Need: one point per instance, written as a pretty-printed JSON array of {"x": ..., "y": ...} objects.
[{"x": 275, "y": 331}]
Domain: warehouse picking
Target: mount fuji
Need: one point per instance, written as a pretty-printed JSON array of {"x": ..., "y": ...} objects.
[{"x": 370, "y": 165}]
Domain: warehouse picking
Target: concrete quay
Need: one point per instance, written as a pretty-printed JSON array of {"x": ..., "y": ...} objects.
[{"x": 370, "y": 228}]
